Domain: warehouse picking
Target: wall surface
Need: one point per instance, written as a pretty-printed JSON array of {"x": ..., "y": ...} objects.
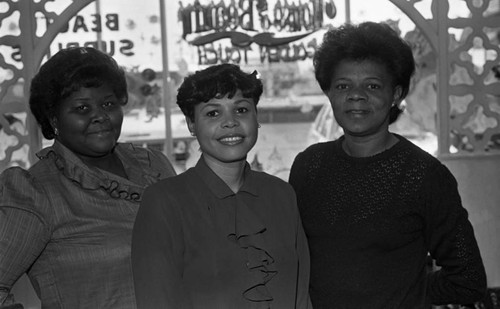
[{"x": 478, "y": 179}]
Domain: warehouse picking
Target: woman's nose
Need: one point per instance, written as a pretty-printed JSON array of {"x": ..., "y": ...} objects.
[
  {"x": 230, "y": 121},
  {"x": 100, "y": 114},
  {"x": 356, "y": 94}
]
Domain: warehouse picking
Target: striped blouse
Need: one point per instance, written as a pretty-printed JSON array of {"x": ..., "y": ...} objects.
[{"x": 69, "y": 226}]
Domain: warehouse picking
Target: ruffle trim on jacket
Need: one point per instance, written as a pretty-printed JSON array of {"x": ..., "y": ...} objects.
[
  {"x": 93, "y": 179},
  {"x": 248, "y": 234}
]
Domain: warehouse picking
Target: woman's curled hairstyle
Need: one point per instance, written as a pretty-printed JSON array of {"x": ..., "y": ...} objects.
[
  {"x": 216, "y": 82},
  {"x": 66, "y": 72},
  {"x": 367, "y": 41}
]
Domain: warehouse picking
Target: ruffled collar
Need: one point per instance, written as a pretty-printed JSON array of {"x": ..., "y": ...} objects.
[
  {"x": 91, "y": 178},
  {"x": 248, "y": 232}
]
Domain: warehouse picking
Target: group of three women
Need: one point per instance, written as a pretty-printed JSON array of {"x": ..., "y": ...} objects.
[{"x": 353, "y": 229}]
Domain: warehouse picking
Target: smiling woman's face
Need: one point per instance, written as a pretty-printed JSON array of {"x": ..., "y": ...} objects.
[
  {"x": 361, "y": 95},
  {"x": 89, "y": 121},
  {"x": 226, "y": 128}
]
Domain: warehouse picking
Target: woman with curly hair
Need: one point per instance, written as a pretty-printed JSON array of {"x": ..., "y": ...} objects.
[
  {"x": 67, "y": 221},
  {"x": 374, "y": 205}
]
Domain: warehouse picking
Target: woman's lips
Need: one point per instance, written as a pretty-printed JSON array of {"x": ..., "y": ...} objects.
[{"x": 231, "y": 140}]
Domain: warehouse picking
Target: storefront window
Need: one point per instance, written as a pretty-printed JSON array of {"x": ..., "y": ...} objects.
[{"x": 276, "y": 38}]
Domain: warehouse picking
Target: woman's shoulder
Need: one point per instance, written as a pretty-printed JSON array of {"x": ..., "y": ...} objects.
[
  {"x": 266, "y": 177},
  {"x": 15, "y": 174},
  {"x": 19, "y": 188},
  {"x": 177, "y": 184},
  {"x": 420, "y": 164},
  {"x": 417, "y": 154},
  {"x": 313, "y": 156},
  {"x": 270, "y": 182},
  {"x": 33, "y": 176},
  {"x": 141, "y": 153},
  {"x": 175, "y": 194},
  {"x": 147, "y": 158}
]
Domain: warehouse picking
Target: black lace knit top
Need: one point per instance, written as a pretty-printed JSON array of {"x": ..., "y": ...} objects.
[{"x": 371, "y": 223}]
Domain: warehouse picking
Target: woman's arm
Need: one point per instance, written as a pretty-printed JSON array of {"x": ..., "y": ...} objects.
[
  {"x": 461, "y": 278},
  {"x": 157, "y": 252},
  {"x": 303, "y": 299},
  {"x": 23, "y": 231}
]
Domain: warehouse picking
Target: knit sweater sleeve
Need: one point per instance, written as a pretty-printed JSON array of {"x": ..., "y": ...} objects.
[{"x": 460, "y": 277}]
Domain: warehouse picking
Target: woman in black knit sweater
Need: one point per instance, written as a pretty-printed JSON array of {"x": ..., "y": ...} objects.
[{"x": 374, "y": 205}]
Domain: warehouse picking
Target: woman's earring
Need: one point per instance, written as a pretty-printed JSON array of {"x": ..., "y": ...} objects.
[
  {"x": 259, "y": 125},
  {"x": 192, "y": 134},
  {"x": 56, "y": 132}
]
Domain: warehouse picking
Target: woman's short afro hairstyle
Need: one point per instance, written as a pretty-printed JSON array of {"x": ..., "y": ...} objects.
[{"x": 367, "y": 41}]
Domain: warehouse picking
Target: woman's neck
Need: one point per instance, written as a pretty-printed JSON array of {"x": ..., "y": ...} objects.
[
  {"x": 231, "y": 173},
  {"x": 110, "y": 163},
  {"x": 367, "y": 146}
]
